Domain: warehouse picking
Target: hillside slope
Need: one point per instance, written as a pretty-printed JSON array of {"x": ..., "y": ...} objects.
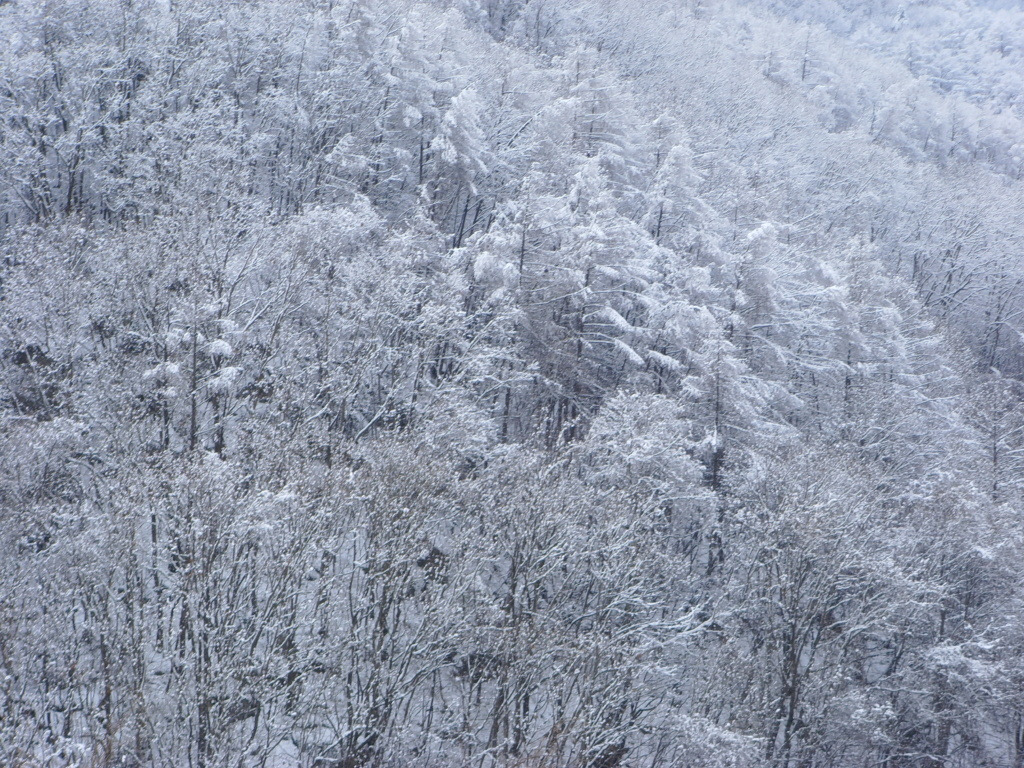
[{"x": 511, "y": 383}]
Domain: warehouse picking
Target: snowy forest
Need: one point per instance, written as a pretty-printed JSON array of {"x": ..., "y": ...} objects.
[{"x": 511, "y": 383}]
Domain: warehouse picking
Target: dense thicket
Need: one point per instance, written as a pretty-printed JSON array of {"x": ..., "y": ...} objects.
[{"x": 511, "y": 383}]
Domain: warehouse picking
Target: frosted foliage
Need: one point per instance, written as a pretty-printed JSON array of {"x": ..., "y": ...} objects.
[{"x": 511, "y": 384}]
